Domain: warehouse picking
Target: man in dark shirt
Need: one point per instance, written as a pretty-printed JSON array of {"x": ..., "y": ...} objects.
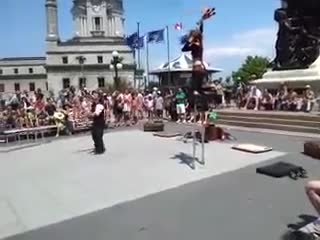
[
  {"x": 98, "y": 125},
  {"x": 50, "y": 108}
]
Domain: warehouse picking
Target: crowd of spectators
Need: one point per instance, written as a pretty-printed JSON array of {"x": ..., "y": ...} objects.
[
  {"x": 70, "y": 110},
  {"x": 284, "y": 99}
]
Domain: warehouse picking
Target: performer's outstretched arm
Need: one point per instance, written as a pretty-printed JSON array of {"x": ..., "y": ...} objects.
[{"x": 201, "y": 25}]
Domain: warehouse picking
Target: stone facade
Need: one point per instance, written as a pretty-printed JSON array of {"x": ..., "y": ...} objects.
[
  {"x": 82, "y": 61},
  {"x": 22, "y": 74}
]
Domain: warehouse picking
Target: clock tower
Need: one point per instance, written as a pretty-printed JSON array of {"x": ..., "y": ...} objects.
[{"x": 98, "y": 18}]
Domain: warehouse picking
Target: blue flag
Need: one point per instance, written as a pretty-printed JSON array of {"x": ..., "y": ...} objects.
[
  {"x": 155, "y": 36},
  {"x": 134, "y": 41},
  {"x": 141, "y": 42}
]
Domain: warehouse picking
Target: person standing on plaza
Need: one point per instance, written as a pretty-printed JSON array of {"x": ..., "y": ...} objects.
[
  {"x": 159, "y": 105},
  {"x": 98, "y": 125},
  {"x": 181, "y": 99}
]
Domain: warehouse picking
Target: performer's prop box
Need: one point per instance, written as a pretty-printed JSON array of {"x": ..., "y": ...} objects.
[
  {"x": 312, "y": 149},
  {"x": 252, "y": 148},
  {"x": 153, "y": 126}
]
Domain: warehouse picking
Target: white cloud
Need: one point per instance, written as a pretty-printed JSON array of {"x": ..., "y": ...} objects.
[{"x": 256, "y": 41}]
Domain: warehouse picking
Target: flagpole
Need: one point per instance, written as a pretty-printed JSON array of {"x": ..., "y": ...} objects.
[
  {"x": 168, "y": 55},
  {"x": 147, "y": 63},
  {"x": 135, "y": 69},
  {"x": 139, "y": 53}
]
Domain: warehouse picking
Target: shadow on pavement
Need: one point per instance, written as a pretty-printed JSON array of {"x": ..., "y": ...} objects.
[{"x": 186, "y": 159}]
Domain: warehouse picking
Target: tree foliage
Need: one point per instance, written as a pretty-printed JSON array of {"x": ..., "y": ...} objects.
[{"x": 252, "y": 68}]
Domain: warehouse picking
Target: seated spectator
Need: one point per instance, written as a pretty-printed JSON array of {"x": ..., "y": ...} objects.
[
  {"x": 60, "y": 121},
  {"x": 292, "y": 100},
  {"x": 32, "y": 117},
  {"x": 253, "y": 99},
  {"x": 267, "y": 100},
  {"x": 281, "y": 100},
  {"x": 23, "y": 118},
  {"x": 308, "y": 100}
]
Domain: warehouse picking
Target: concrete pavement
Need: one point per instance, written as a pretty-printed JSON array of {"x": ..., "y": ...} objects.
[{"x": 139, "y": 190}]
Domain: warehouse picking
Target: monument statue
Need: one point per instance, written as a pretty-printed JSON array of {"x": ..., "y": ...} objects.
[{"x": 298, "y": 38}]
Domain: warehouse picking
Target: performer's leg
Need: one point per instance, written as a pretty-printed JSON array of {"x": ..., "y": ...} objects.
[
  {"x": 99, "y": 140},
  {"x": 94, "y": 137}
]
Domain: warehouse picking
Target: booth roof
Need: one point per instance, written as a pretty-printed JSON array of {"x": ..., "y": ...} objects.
[{"x": 181, "y": 64}]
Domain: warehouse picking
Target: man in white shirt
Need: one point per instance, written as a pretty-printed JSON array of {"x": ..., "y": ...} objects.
[
  {"x": 98, "y": 124},
  {"x": 256, "y": 95}
]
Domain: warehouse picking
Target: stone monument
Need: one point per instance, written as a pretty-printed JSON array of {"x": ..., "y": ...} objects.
[{"x": 297, "y": 61}]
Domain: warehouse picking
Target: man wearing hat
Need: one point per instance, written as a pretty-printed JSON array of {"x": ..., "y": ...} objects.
[
  {"x": 98, "y": 125},
  {"x": 308, "y": 98}
]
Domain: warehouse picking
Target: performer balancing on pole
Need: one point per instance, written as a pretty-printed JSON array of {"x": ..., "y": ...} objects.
[
  {"x": 97, "y": 114},
  {"x": 193, "y": 42}
]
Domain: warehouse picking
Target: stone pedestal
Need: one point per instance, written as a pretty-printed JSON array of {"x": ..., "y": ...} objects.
[{"x": 295, "y": 78}]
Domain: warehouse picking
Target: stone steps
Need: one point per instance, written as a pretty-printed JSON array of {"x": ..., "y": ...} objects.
[
  {"x": 284, "y": 121},
  {"x": 291, "y": 122},
  {"x": 271, "y": 114}
]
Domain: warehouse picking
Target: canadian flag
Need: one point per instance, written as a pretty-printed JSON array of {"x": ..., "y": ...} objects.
[{"x": 178, "y": 26}]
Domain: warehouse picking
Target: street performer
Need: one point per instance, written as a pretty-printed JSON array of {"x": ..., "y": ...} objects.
[
  {"x": 193, "y": 42},
  {"x": 98, "y": 125}
]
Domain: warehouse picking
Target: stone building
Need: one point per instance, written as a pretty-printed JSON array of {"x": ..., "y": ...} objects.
[
  {"x": 84, "y": 60},
  {"x": 18, "y": 74}
]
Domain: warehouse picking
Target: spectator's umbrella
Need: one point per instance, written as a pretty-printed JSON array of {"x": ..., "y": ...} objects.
[{"x": 59, "y": 116}]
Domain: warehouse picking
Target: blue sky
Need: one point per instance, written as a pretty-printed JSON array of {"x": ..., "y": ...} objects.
[{"x": 239, "y": 28}]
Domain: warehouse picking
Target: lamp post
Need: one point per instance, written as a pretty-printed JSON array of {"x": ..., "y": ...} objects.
[
  {"x": 81, "y": 60},
  {"x": 116, "y": 65}
]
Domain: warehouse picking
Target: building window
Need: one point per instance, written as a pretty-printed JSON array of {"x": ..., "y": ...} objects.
[
  {"x": 65, "y": 83},
  {"x": 100, "y": 59},
  {"x": 101, "y": 82},
  {"x": 30, "y": 70},
  {"x": 97, "y": 23},
  {"x": 2, "y": 89},
  {"x": 16, "y": 70},
  {"x": 47, "y": 86},
  {"x": 1, "y": 71},
  {"x": 17, "y": 87},
  {"x": 65, "y": 60},
  {"x": 32, "y": 87},
  {"x": 82, "y": 82}
]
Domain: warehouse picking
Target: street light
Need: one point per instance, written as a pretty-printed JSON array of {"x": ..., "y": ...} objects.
[
  {"x": 116, "y": 65},
  {"x": 81, "y": 60}
]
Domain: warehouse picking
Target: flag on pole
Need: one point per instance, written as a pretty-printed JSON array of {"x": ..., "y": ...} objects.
[
  {"x": 140, "y": 43},
  {"x": 134, "y": 41},
  {"x": 178, "y": 26},
  {"x": 155, "y": 36}
]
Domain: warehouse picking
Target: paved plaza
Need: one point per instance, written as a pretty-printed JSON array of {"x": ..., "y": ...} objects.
[{"x": 142, "y": 188}]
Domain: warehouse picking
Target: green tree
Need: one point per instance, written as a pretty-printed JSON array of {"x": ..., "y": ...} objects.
[{"x": 252, "y": 68}]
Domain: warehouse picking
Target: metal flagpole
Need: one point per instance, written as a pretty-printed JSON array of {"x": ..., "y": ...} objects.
[
  {"x": 139, "y": 52},
  {"x": 147, "y": 61},
  {"x": 135, "y": 70},
  {"x": 168, "y": 55}
]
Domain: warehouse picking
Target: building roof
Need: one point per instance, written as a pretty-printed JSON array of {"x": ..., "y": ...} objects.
[
  {"x": 181, "y": 64},
  {"x": 21, "y": 61}
]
